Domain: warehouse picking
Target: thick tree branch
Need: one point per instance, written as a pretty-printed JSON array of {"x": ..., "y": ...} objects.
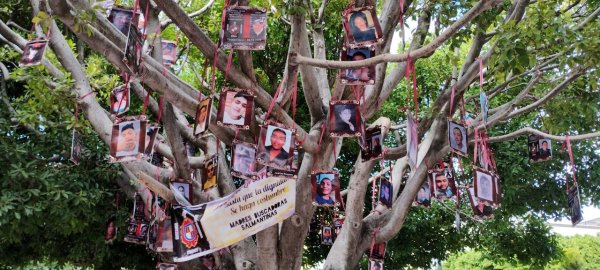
[
  {"x": 192, "y": 15},
  {"x": 526, "y": 131}
]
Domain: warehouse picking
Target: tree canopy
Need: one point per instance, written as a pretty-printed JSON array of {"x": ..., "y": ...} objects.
[{"x": 538, "y": 62}]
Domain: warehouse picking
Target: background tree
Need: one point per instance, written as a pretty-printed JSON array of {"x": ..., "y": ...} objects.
[{"x": 540, "y": 74}]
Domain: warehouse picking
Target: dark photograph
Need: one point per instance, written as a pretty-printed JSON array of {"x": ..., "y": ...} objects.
[
  {"x": 375, "y": 265},
  {"x": 276, "y": 146},
  {"x": 243, "y": 162},
  {"x": 133, "y": 49},
  {"x": 76, "y": 146},
  {"x": 362, "y": 26},
  {"x": 423, "y": 197},
  {"x": 481, "y": 209},
  {"x": 110, "y": 232},
  {"x": 236, "y": 107},
  {"x": 119, "y": 99},
  {"x": 377, "y": 252},
  {"x": 244, "y": 28},
  {"x": 325, "y": 188},
  {"x": 164, "y": 240},
  {"x": 359, "y": 75},
  {"x": 202, "y": 116},
  {"x": 151, "y": 134},
  {"x": 166, "y": 266},
  {"x": 344, "y": 119},
  {"x": 457, "y": 136},
  {"x": 33, "y": 52},
  {"x": 121, "y": 18},
  {"x": 386, "y": 192},
  {"x": 127, "y": 141},
  {"x": 137, "y": 231},
  {"x": 539, "y": 149},
  {"x": 373, "y": 144},
  {"x": 574, "y": 205}
]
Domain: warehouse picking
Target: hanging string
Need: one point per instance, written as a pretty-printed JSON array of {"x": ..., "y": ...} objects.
[
  {"x": 374, "y": 232},
  {"x": 146, "y": 101},
  {"x": 294, "y": 98},
  {"x": 568, "y": 139},
  {"x": 160, "y": 112},
  {"x": 475, "y": 148},
  {"x": 145, "y": 33},
  {"x": 273, "y": 101},
  {"x": 229, "y": 58},
  {"x": 462, "y": 111},
  {"x": 415, "y": 93},
  {"x": 452, "y": 100}
]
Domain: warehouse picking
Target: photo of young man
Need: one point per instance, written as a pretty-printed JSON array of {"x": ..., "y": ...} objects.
[
  {"x": 121, "y": 19},
  {"x": 202, "y": 116},
  {"x": 443, "y": 189},
  {"x": 128, "y": 139},
  {"x": 276, "y": 149},
  {"x": 325, "y": 187},
  {"x": 235, "y": 108}
]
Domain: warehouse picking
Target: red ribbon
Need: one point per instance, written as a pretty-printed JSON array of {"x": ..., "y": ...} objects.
[
  {"x": 375, "y": 231},
  {"x": 273, "y": 101}
]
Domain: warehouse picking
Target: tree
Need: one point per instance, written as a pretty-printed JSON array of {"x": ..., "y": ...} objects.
[{"x": 536, "y": 56}]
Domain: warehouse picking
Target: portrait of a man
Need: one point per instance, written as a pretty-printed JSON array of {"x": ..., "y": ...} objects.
[
  {"x": 457, "y": 135},
  {"x": 442, "y": 185},
  {"x": 258, "y": 27},
  {"x": 110, "y": 232},
  {"x": 33, "y": 53},
  {"x": 202, "y": 116},
  {"x": 359, "y": 75},
  {"x": 235, "y": 108},
  {"x": 375, "y": 265},
  {"x": 243, "y": 161},
  {"x": 183, "y": 189},
  {"x": 325, "y": 186},
  {"x": 484, "y": 186},
  {"x": 244, "y": 28},
  {"x": 275, "y": 151},
  {"x": 209, "y": 178},
  {"x": 121, "y": 19},
  {"x": 326, "y": 236},
  {"x": 128, "y": 139},
  {"x": 545, "y": 151}
]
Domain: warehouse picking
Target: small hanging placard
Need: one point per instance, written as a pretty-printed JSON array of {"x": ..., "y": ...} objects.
[
  {"x": 202, "y": 116},
  {"x": 244, "y": 28},
  {"x": 345, "y": 119},
  {"x": 360, "y": 75},
  {"x": 457, "y": 137},
  {"x": 236, "y": 108},
  {"x": 362, "y": 26},
  {"x": 276, "y": 143},
  {"x": 127, "y": 141},
  {"x": 243, "y": 161},
  {"x": 326, "y": 188},
  {"x": 33, "y": 52}
]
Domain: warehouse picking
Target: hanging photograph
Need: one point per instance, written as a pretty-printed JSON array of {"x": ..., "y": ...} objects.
[
  {"x": 533, "y": 146},
  {"x": 209, "y": 175},
  {"x": 362, "y": 26},
  {"x": 76, "y": 146},
  {"x": 151, "y": 236},
  {"x": 121, "y": 18},
  {"x": 423, "y": 197},
  {"x": 33, "y": 52},
  {"x": 345, "y": 118},
  {"x": 275, "y": 146},
  {"x": 236, "y": 107},
  {"x": 133, "y": 49},
  {"x": 151, "y": 134},
  {"x": 545, "y": 150},
  {"x": 110, "y": 232},
  {"x": 457, "y": 136},
  {"x": 412, "y": 140},
  {"x": 184, "y": 189},
  {"x": 164, "y": 239},
  {"x": 169, "y": 52},
  {"x": 574, "y": 204},
  {"x": 292, "y": 173},
  {"x": 119, "y": 99},
  {"x": 375, "y": 265},
  {"x": 480, "y": 208},
  {"x": 127, "y": 140},
  {"x": 484, "y": 186},
  {"x": 326, "y": 236},
  {"x": 443, "y": 183},
  {"x": 497, "y": 193},
  {"x": 189, "y": 238},
  {"x": 137, "y": 230},
  {"x": 243, "y": 162},
  {"x": 386, "y": 192},
  {"x": 244, "y": 28},
  {"x": 373, "y": 144},
  {"x": 337, "y": 227},
  {"x": 166, "y": 266},
  {"x": 202, "y": 116},
  {"x": 377, "y": 253},
  {"x": 325, "y": 188},
  {"x": 139, "y": 208},
  {"x": 359, "y": 75}
]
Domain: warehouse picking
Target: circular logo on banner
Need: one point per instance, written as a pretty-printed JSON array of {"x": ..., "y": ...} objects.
[{"x": 189, "y": 233}]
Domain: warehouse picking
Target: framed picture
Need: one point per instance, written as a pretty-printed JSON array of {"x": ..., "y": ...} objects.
[
  {"x": 137, "y": 231},
  {"x": 360, "y": 75},
  {"x": 497, "y": 191},
  {"x": 326, "y": 188},
  {"x": 110, "y": 233},
  {"x": 457, "y": 136},
  {"x": 127, "y": 139},
  {"x": 574, "y": 204},
  {"x": 189, "y": 238},
  {"x": 484, "y": 186},
  {"x": 345, "y": 118},
  {"x": 480, "y": 208},
  {"x": 373, "y": 144},
  {"x": 442, "y": 181},
  {"x": 276, "y": 145},
  {"x": 166, "y": 266},
  {"x": 375, "y": 265},
  {"x": 139, "y": 208},
  {"x": 169, "y": 52},
  {"x": 33, "y": 52},
  {"x": 119, "y": 99},
  {"x": 209, "y": 174},
  {"x": 151, "y": 134},
  {"x": 243, "y": 162},
  {"x": 183, "y": 188},
  {"x": 412, "y": 140},
  {"x": 236, "y": 108},
  {"x": 423, "y": 197},
  {"x": 386, "y": 192},
  {"x": 76, "y": 146},
  {"x": 133, "y": 49},
  {"x": 338, "y": 223},
  {"x": 539, "y": 149},
  {"x": 362, "y": 26},
  {"x": 202, "y": 116},
  {"x": 164, "y": 240},
  {"x": 244, "y": 28},
  {"x": 209, "y": 262},
  {"x": 377, "y": 253},
  {"x": 121, "y": 18},
  {"x": 326, "y": 236}
]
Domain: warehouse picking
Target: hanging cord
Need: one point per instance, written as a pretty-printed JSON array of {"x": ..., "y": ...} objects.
[
  {"x": 568, "y": 139},
  {"x": 229, "y": 58},
  {"x": 273, "y": 101},
  {"x": 415, "y": 93},
  {"x": 475, "y": 147},
  {"x": 146, "y": 101},
  {"x": 294, "y": 98},
  {"x": 452, "y": 101},
  {"x": 374, "y": 232}
]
